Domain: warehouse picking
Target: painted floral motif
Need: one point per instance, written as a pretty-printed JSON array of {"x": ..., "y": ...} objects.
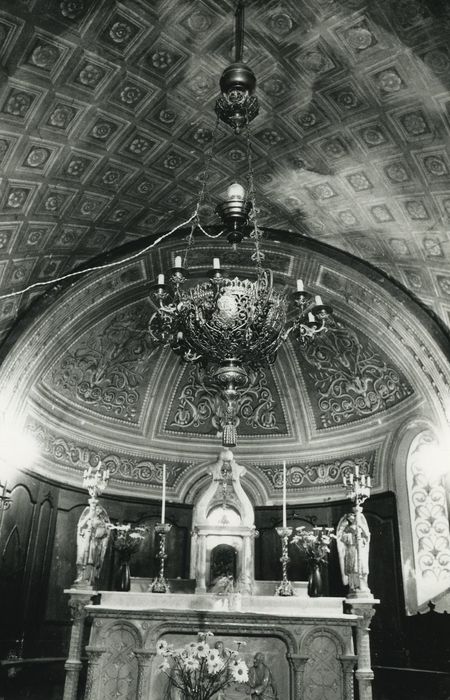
[
  {"x": 76, "y": 167},
  {"x": 389, "y": 81},
  {"x": 414, "y": 123},
  {"x": 373, "y": 136},
  {"x": 432, "y": 247},
  {"x": 167, "y": 116},
  {"x": 102, "y": 130},
  {"x": 111, "y": 178},
  {"x": 280, "y": 23},
  {"x": 139, "y": 145},
  {"x": 381, "y": 214},
  {"x": 359, "y": 182},
  {"x": 396, "y": 172},
  {"x": 435, "y": 166},
  {"x": 270, "y": 137},
  {"x": 88, "y": 207},
  {"x": 172, "y": 161},
  {"x": 359, "y": 38},
  {"x": 161, "y": 60},
  {"x": 35, "y": 237},
  {"x": 351, "y": 380},
  {"x": 308, "y": 119},
  {"x": 45, "y": 56},
  {"x": 106, "y": 370},
  {"x": 17, "y": 198},
  {"x": 416, "y": 209},
  {"x": 72, "y": 9},
  {"x": 61, "y": 116},
  {"x": 197, "y": 407},
  {"x": 334, "y": 148},
  {"x": 90, "y": 75},
  {"x": 120, "y": 32},
  {"x": 131, "y": 95},
  {"x": 37, "y": 157},
  {"x": 18, "y": 103},
  {"x": 347, "y": 99},
  {"x": 54, "y": 202}
]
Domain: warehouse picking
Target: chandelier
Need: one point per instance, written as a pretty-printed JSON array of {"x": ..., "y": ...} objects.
[{"x": 227, "y": 324}]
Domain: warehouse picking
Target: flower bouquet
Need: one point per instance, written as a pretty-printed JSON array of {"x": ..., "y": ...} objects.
[
  {"x": 200, "y": 671},
  {"x": 128, "y": 538},
  {"x": 315, "y": 543},
  {"x": 126, "y": 541}
]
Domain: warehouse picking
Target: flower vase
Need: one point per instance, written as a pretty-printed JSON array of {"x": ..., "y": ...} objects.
[
  {"x": 123, "y": 578},
  {"x": 315, "y": 585}
]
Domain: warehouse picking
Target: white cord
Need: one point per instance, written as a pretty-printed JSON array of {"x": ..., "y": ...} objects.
[{"x": 101, "y": 267}]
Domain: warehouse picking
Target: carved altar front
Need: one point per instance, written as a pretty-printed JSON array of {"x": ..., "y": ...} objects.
[{"x": 307, "y": 643}]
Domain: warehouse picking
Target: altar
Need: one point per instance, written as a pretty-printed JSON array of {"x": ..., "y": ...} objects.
[
  {"x": 306, "y": 643},
  {"x": 301, "y": 647}
]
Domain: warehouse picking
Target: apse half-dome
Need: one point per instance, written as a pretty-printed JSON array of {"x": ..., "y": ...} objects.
[{"x": 89, "y": 382}]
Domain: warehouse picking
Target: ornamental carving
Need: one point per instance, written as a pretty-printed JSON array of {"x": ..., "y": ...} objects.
[
  {"x": 108, "y": 368},
  {"x": 196, "y": 407},
  {"x": 63, "y": 451},
  {"x": 319, "y": 474},
  {"x": 348, "y": 378},
  {"x": 322, "y": 677}
]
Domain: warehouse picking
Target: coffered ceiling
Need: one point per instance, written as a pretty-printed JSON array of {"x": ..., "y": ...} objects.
[{"x": 106, "y": 110}]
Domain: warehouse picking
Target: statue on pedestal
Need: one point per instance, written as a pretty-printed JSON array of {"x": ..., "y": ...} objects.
[
  {"x": 353, "y": 539},
  {"x": 92, "y": 539}
]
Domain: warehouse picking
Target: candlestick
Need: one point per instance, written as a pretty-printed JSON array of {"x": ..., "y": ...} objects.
[
  {"x": 163, "y": 504},
  {"x": 160, "y": 585},
  {"x": 285, "y": 587},
  {"x": 284, "y": 494}
]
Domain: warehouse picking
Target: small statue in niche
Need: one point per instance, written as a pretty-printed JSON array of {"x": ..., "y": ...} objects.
[
  {"x": 223, "y": 585},
  {"x": 92, "y": 539},
  {"x": 354, "y": 559},
  {"x": 261, "y": 681}
]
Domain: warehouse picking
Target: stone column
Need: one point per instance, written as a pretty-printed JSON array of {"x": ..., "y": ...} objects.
[
  {"x": 364, "y": 609},
  {"x": 77, "y": 602},
  {"x": 93, "y": 675},
  {"x": 145, "y": 659},
  {"x": 297, "y": 663},
  {"x": 201, "y": 566},
  {"x": 348, "y": 664}
]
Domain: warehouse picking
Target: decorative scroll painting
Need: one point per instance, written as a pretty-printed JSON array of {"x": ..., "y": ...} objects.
[
  {"x": 196, "y": 408},
  {"x": 429, "y": 517},
  {"x": 348, "y": 378},
  {"x": 324, "y": 473},
  {"x": 108, "y": 368}
]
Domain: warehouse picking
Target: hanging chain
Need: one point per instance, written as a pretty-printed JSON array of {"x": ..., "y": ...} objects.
[
  {"x": 256, "y": 234},
  {"x": 202, "y": 192}
]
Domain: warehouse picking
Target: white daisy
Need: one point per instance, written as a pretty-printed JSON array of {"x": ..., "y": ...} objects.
[
  {"x": 202, "y": 650},
  {"x": 191, "y": 664},
  {"x": 239, "y": 671}
]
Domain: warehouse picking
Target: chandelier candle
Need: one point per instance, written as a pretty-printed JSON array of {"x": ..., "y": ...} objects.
[
  {"x": 216, "y": 263},
  {"x": 161, "y": 279},
  {"x": 300, "y": 287}
]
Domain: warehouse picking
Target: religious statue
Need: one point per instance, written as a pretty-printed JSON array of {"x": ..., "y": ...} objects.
[
  {"x": 261, "y": 681},
  {"x": 350, "y": 539},
  {"x": 223, "y": 585},
  {"x": 92, "y": 539}
]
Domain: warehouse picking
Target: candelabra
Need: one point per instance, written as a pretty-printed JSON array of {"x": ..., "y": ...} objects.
[
  {"x": 95, "y": 480},
  {"x": 285, "y": 587},
  {"x": 358, "y": 488},
  {"x": 160, "y": 585}
]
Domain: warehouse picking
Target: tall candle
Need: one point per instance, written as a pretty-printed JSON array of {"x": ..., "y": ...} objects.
[
  {"x": 163, "y": 504},
  {"x": 284, "y": 493}
]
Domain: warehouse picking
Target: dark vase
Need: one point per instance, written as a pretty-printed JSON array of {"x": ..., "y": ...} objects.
[
  {"x": 123, "y": 576},
  {"x": 315, "y": 585}
]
